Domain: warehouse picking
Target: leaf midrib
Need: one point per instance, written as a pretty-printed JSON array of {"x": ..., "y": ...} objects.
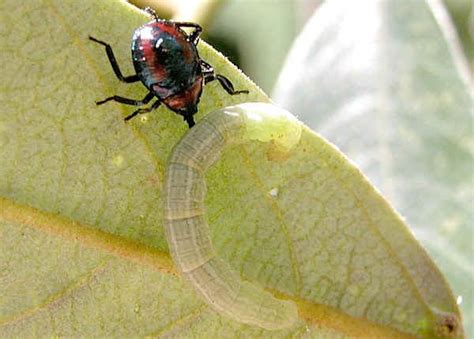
[{"x": 59, "y": 226}]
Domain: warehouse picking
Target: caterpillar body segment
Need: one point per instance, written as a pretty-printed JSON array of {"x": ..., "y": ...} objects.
[
  {"x": 186, "y": 229},
  {"x": 246, "y": 302}
]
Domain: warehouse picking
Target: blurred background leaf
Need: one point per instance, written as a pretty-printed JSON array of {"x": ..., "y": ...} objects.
[
  {"x": 387, "y": 82},
  {"x": 248, "y": 31},
  {"x": 462, "y": 14}
]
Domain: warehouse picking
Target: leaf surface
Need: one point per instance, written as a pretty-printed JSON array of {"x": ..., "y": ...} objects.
[
  {"x": 388, "y": 84},
  {"x": 82, "y": 246}
]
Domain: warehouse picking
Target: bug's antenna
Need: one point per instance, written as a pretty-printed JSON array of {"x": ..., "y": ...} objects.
[{"x": 152, "y": 12}]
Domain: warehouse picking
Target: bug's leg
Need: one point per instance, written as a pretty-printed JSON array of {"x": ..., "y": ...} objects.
[
  {"x": 194, "y": 36},
  {"x": 225, "y": 83},
  {"x": 210, "y": 75},
  {"x": 127, "y": 101},
  {"x": 190, "y": 120},
  {"x": 114, "y": 64},
  {"x": 206, "y": 69},
  {"x": 152, "y": 12},
  {"x": 144, "y": 110}
]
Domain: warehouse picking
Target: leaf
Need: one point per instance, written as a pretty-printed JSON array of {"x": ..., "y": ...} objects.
[
  {"x": 386, "y": 82},
  {"x": 82, "y": 246}
]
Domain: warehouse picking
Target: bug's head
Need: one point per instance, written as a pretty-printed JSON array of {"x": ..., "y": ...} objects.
[
  {"x": 187, "y": 113},
  {"x": 188, "y": 110}
]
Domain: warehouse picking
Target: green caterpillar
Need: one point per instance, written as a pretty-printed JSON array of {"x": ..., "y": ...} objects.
[{"x": 186, "y": 229}]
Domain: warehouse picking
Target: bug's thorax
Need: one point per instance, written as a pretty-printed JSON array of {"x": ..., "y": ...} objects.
[{"x": 164, "y": 59}]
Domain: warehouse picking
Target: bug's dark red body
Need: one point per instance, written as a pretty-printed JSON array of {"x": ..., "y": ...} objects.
[
  {"x": 168, "y": 65},
  {"x": 167, "y": 62}
]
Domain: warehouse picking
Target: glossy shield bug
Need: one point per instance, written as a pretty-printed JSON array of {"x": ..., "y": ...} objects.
[{"x": 167, "y": 62}]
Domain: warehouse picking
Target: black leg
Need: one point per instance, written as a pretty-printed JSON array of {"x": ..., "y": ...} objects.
[
  {"x": 194, "y": 36},
  {"x": 144, "y": 110},
  {"x": 114, "y": 64},
  {"x": 152, "y": 12},
  {"x": 225, "y": 83},
  {"x": 206, "y": 69},
  {"x": 127, "y": 101}
]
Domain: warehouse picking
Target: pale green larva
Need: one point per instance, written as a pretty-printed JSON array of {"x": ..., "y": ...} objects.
[{"x": 186, "y": 229}]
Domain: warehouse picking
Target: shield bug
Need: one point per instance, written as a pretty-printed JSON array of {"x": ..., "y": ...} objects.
[{"x": 167, "y": 62}]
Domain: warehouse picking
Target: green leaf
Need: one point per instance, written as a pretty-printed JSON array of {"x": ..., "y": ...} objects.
[
  {"x": 388, "y": 84},
  {"x": 83, "y": 251}
]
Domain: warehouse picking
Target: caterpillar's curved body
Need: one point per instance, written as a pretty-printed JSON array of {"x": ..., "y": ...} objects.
[{"x": 187, "y": 232}]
